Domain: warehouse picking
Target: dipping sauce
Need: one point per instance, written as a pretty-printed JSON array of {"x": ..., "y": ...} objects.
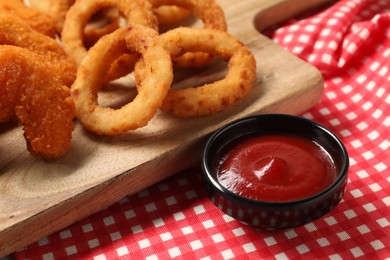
[{"x": 275, "y": 167}]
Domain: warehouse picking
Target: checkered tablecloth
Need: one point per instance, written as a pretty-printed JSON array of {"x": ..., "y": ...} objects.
[{"x": 350, "y": 43}]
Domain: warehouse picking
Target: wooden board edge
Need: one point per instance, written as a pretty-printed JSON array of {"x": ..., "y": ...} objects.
[{"x": 95, "y": 199}]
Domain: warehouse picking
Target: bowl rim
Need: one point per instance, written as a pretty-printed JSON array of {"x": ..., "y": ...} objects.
[{"x": 228, "y": 127}]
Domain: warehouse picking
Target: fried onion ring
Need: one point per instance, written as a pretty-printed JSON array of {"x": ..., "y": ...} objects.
[
  {"x": 212, "y": 17},
  {"x": 14, "y": 31},
  {"x": 39, "y": 21},
  {"x": 40, "y": 5},
  {"x": 167, "y": 15},
  {"x": 58, "y": 9},
  {"x": 103, "y": 22},
  {"x": 34, "y": 95},
  {"x": 134, "y": 11},
  {"x": 208, "y": 11},
  {"x": 214, "y": 97},
  {"x": 155, "y": 80}
]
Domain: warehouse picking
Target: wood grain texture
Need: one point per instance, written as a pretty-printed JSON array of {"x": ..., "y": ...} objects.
[{"x": 38, "y": 198}]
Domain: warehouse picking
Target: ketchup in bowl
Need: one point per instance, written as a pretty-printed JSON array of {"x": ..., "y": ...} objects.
[
  {"x": 275, "y": 167},
  {"x": 275, "y": 171}
]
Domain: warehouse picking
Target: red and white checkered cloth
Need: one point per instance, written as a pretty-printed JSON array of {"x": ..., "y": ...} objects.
[{"x": 350, "y": 43}]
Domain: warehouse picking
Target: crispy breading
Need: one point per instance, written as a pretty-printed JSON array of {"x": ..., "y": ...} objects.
[
  {"x": 39, "y": 21},
  {"x": 14, "y": 31},
  {"x": 38, "y": 99}
]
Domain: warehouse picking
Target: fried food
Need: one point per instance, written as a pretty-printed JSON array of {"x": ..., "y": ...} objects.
[
  {"x": 154, "y": 79},
  {"x": 212, "y": 17},
  {"x": 208, "y": 11},
  {"x": 14, "y": 31},
  {"x": 134, "y": 12},
  {"x": 103, "y": 22},
  {"x": 219, "y": 95},
  {"x": 30, "y": 93},
  {"x": 170, "y": 14},
  {"x": 46, "y": 82},
  {"x": 58, "y": 9},
  {"x": 40, "y": 5},
  {"x": 38, "y": 20}
]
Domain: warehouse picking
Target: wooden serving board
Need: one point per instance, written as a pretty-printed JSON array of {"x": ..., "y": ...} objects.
[{"x": 38, "y": 198}]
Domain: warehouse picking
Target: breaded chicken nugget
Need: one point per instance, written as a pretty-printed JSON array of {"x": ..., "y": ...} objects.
[
  {"x": 39, "y": 21},
  {"x": 32, "y": 94},
  {"x": 14, "y": 31}
]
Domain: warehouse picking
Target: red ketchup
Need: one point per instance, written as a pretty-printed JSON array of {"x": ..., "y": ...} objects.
[{"x": 276, "y": 168}]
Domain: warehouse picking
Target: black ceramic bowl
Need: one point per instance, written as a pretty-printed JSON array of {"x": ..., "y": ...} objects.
[{"x": 274, "y": 215}]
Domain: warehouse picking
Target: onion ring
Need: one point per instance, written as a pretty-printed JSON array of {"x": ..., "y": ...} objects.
[
  {"x": 103, "y": 22},
  {"x": 215, "y": 97},
  {"x": 134, "y": 11},
  {"x": 167, "y": 14},
  {"x": 208, "y": 11},
  {"x": 31, "y": 92},
  {"x": 212, "y": 17},
  {"x": 153, "y": 83},
  {"x": 58, "y": 9},
  {"x": 40, "y": 5},
  {"x": 14, "y": 31}
]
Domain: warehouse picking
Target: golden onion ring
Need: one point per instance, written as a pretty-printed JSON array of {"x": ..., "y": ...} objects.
[
  {"x": 219, "y": 95},
  {"x": 134, "y": 11},
  {"x": 212, "y": 17},
  {"x": 170, "y": 14},
  {"x": 103, "y": 22},
  {"x": 153, "y": 81}
]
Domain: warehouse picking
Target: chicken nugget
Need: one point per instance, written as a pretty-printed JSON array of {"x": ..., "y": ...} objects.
[
  {"x": 32, "y": 94},
  {"x": 14, "y": 31},
  {"x": 39, "y": 21}
]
